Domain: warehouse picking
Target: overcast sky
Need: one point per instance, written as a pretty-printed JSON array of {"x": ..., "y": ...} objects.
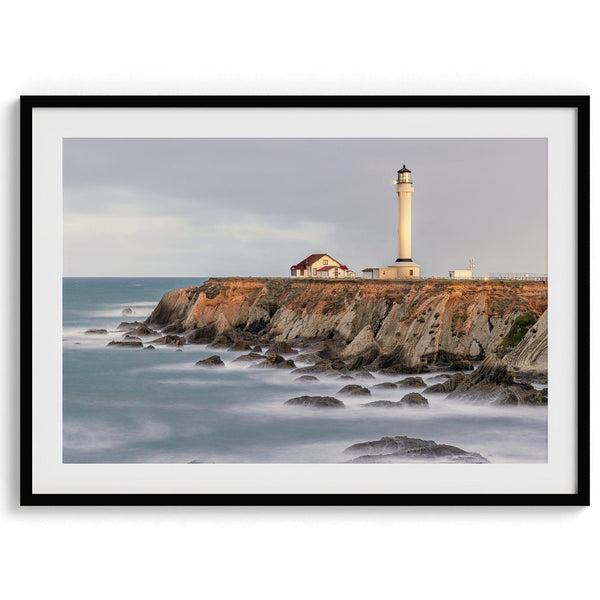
[{"x": 201, "y": 207}]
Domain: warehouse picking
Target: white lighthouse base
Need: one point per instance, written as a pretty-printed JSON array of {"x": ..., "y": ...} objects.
[{"x": 401, "y": 270}]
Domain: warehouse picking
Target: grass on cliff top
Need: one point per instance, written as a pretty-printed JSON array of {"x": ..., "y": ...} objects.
[{"x": 440, "y": 283}]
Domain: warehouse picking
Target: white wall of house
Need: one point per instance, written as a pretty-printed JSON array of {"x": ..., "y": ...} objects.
[
  {"x": 461, "y": 274},
  {"x": 324, "y": 261}
]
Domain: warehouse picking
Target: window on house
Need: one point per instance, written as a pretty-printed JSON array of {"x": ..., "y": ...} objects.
[
  {"x": 411, "y": 272},
  {"x": 325, "y": 261}
]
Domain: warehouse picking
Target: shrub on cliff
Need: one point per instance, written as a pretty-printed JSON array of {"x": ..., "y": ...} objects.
[{"x": 518, "y": 330}]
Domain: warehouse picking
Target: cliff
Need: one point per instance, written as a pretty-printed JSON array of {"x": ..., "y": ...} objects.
[
  {"x": 531, "y": 355},
  {"x": 393, "y": 325}
]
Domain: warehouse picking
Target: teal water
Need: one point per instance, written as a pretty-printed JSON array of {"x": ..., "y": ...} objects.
[{"x": 123, "y": 405}]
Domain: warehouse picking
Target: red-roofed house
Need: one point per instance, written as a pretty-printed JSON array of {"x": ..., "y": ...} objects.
[{"x": 322, "y": 266}]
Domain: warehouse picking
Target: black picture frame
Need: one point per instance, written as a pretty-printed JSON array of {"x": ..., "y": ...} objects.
[{"x": 582, "y": 106}]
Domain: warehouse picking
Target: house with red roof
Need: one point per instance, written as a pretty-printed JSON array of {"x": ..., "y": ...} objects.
[{"x": 321, "y": 266}]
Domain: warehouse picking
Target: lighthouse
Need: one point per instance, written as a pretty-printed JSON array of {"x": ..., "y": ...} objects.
[
  {"x": 404, "y": 266},
  {"x": 404, "y": 190}
]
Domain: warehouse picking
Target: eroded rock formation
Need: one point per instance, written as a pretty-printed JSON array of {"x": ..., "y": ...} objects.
[
  {"x": 392, "y": 326},
  {"x": 401, "y": 449}
]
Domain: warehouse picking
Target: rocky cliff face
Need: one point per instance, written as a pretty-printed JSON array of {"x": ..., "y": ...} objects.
[
  {"x": 531, "y": 355},
  {"x": 393, "y": 325}
]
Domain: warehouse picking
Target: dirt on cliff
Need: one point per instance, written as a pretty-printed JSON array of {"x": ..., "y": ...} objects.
[{"x": 388, "y": 325}]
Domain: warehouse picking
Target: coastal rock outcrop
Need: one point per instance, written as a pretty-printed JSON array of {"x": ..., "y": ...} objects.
[
  {"x": 401, "y": 448},
  {"x": 493, "y": 382},
  {"x": 95, "y": 331},
  {"x": 129, "y": 325},
  {"x": 211, "y": 361},
  {"x": 393, "y": 326},
  {"x": 354, "y": 390},
  {"x": 530, "y": 357},
  {"x": 250, "y": 357},
  {"x": 411, "y": 382},
  {"x": 410, "y": 400},
  {"x": 125, "y": 344},
  {"x": 278, "y": 362},
  {"x": 445, "y": 387},
  {"x": 142, "y": 330},
  {"x": 414, "y": 399},
  {"x": 316, "y": 402},
  {"x": 170, "y": 340},
  {"x": 461, "y": 365},
  {"x": 330, "y": 367},
  {"x": 383, "y": 404},
  {"x": 240, "y": 346},
  {"x": 282, "y": 348},
  {"x": 386, "y": 385}
]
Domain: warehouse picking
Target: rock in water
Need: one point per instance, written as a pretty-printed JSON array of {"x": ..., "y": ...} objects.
[
  {"x": 355, "y": 390},
  {"x": 212, "y": 361},
  {"x": 383, "y": 404},
  {"x": 282, "y": 348},
  {"x": 150, "y": 347},
  {"x": 129, "y": 325},
  {"x": 493, "y": 382},
  {"x": 385, "y": 386},
  {"x": 307, "y": 378},
  {"x": 309, "y": 357},
  {"x": 278, "y": 362},
  {"x": 240, "y": 346},
  {"x": 447, "y": 386},
  {"x": 250, "y": 357},
  {"x": 362, "y": 373},
  {"x": 142, "y": 329},
  {"x": 401, "y": 448},
  {"x": 95, "y": 331},
  {"x": 316, "y": 402},
  {"x": 129, "y": 344},
  {"x": 127, "y": 311},
  {"x": 412, "y": 382},
  {"x": 414, "y": 399},
  {"x": 170, "y": 340}
]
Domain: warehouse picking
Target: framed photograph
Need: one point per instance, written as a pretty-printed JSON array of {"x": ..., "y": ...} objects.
[{"x": 333, "y": 300}]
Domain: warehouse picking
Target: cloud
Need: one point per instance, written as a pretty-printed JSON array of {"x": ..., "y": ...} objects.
[
  {"x": 115, "y": 227},
  {"x": 125, "y": 236},
  {"x": 255, "y": 206}
]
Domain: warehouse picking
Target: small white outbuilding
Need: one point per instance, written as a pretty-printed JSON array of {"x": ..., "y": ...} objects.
[{"x": 461, "y": 274}]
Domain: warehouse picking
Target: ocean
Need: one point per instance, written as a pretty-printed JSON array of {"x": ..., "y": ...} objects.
[{"x": 132, "y": 405}]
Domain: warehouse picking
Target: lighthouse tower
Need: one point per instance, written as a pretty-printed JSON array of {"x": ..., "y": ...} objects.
[
  {"x": 405, "y": 190},
  {"x": 404, "y": 267}
]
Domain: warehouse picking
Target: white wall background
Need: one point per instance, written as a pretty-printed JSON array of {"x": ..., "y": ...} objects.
[{"x": 118, "y": 47}]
